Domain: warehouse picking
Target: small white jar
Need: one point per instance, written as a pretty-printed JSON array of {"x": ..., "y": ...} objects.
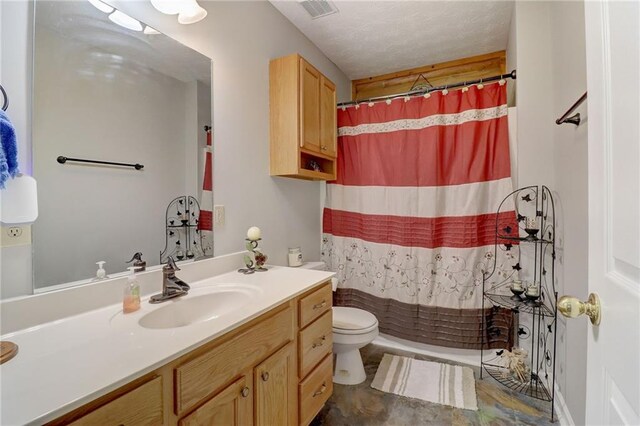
[{"x": 295, "y": 257}]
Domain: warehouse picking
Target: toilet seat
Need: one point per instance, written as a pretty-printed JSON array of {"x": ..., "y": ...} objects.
[{"x": 353, "y": 320}]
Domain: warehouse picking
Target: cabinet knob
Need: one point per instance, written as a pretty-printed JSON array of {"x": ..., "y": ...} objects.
[
  {"x": 265, "y": 376},
  {"x": 323, "y": 147},
  {"x": 320, "y": 341},
  {"x": 244, "y": 392},
  {"x": 320, "y": 305},
  {"x": 321, "y": 390}
]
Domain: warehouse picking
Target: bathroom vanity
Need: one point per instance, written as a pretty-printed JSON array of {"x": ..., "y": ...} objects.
[{"x": 267, "y": 361}]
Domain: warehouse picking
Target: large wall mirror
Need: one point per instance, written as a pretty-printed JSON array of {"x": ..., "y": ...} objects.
[{"x": 109, "y": 88}]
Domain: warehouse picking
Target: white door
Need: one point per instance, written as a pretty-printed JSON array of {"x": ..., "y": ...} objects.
[{"x": 613, "y": 75}]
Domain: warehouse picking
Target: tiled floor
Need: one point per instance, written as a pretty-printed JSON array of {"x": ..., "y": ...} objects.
[{"x": 363, "y": 405}]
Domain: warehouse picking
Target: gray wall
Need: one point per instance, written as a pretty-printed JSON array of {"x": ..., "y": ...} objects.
[
  {"x": 15, "y": 65},
  {"x": 550, "y": 50},
  {"x": 241, "y": 38},
  {"x": 89, "y": 213}
]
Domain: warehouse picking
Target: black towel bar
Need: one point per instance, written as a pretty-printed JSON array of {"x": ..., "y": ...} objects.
[
  {"x": 5, "y": 102},
  {"x": 62, "y": 159}
]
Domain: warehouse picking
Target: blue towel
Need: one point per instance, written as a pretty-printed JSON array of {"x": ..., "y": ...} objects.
[{"x": 8, "y": 149}]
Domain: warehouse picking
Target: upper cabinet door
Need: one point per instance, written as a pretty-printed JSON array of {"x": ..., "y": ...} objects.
[
  {"x": 328, "y": 119},
  {"x": 309, "y": 107}
]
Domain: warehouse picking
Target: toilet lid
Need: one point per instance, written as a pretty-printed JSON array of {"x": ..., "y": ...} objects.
[{"x": 352, "y": 318}]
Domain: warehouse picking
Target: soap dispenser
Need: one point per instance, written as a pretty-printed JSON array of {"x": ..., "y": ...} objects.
[
  {"x": 131, "y": 296},
  {"x": 101, "y": 274}
]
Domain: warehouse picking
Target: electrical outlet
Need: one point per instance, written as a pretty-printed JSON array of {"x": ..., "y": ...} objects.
[
  {"x": 14, "y": 232},
  {"x": 15, "y": 236},
  {"x": 218, "y": 215}
]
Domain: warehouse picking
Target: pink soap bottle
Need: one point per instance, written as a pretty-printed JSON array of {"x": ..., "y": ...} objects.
[{"x": 131, "y": 296}]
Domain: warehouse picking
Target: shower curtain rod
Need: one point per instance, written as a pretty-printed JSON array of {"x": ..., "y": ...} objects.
[{"x": 420, "y": 92}]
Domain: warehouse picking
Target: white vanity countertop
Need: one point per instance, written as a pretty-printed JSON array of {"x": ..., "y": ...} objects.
[{"x": 64, "y": 364}]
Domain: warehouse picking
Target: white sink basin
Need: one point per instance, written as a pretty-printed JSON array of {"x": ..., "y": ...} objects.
[{"x": 202, "y": 304}]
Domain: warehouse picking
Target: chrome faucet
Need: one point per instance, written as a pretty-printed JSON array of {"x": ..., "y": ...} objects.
[{"x": 172, "y": 286}]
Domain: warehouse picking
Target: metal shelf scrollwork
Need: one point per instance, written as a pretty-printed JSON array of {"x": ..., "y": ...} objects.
[
  {"x": 533, "y": 248},
  {"x": 183, "y": 239}
]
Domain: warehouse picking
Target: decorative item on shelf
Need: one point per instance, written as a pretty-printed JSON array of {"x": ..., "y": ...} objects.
[
  {"x": 517, "y": 289},
  {"x": 531, "y": 227},
  {"x": 259, "y": 259},
  {"x": 139, "y": 264},
  {"x": 295, "y": 257},
  {"x": 516, "y": 363},
  {"x": 179, "y": 252},
  {"x": 313, "y": 165},
  {"x": 533, "y": 294}
]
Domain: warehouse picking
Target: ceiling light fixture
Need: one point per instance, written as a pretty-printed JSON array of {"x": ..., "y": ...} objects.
[
  {"x": 168, "y": 7},
  {"x": 125, "y": 21},
  {"x": 102, "y": 7},
  {"x": 188, "y": 11},
  {"x": 191, "y": 12}
]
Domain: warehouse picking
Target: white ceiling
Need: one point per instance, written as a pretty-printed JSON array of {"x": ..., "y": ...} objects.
[{"x": 367, "y": 38}]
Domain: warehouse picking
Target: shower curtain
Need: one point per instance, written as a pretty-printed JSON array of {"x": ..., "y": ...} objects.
[
  {"x": 409, "y": 224},
  {"x": 205, "y": 221}
]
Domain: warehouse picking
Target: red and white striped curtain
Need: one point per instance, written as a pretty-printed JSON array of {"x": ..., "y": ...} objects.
[
  {"x": 409, "y": 225},
  {"x": 205, "y": 221}
]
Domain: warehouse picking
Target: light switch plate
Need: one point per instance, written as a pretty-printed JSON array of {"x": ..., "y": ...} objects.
[
  {"x": 17, "y": 235},
  {"x": 218, "y": 215}
]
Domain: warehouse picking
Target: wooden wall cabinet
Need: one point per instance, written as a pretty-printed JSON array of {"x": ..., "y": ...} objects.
[
  {"x": 303, "y": 120},
  {"x": 275, "y": 370}
]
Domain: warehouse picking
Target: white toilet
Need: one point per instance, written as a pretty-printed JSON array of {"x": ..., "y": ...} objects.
[{"x": 352, "y": 329}]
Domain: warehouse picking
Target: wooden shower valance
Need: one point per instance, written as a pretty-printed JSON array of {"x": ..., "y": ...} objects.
[{"x": 471, "y": 68}]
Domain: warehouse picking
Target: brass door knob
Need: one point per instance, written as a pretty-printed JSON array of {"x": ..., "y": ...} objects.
[{"x": 572, "y": 307}]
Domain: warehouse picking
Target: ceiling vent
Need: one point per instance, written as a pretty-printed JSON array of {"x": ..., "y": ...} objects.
[{"x": 318, "y": 8}]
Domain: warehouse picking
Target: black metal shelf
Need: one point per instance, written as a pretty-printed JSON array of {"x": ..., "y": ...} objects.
[
  {"x": 534, "y": 388},
  {"x": 532, "y": 258},
  {"x": 183, "y": 240},
  {"x": 528, "y": 239},
  {"x": 520, "y": 306}
]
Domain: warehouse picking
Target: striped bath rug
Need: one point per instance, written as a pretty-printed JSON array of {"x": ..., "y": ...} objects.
[{"x": 430, "y": 381}]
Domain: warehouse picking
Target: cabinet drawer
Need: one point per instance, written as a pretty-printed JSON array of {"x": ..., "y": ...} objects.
[
  {"x": 315, "y": 342},
  {"x": 141, "y": 406},
  {"x": 203, "y": 375},
  {"x": 315, "y": 390},
  {"x": 315, "y": 304}
]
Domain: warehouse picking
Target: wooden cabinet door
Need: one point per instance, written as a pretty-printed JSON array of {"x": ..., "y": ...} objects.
[
  {"x": 141, "y": 406},
  {"x": 276, "y": 380},
  {"x": 328, "y": 117},
  {"x": 233, "y": 406},
  {"x": 309, "y": 107}
]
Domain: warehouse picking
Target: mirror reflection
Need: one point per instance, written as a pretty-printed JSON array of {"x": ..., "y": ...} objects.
[{"x": 108, "y": 88}]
